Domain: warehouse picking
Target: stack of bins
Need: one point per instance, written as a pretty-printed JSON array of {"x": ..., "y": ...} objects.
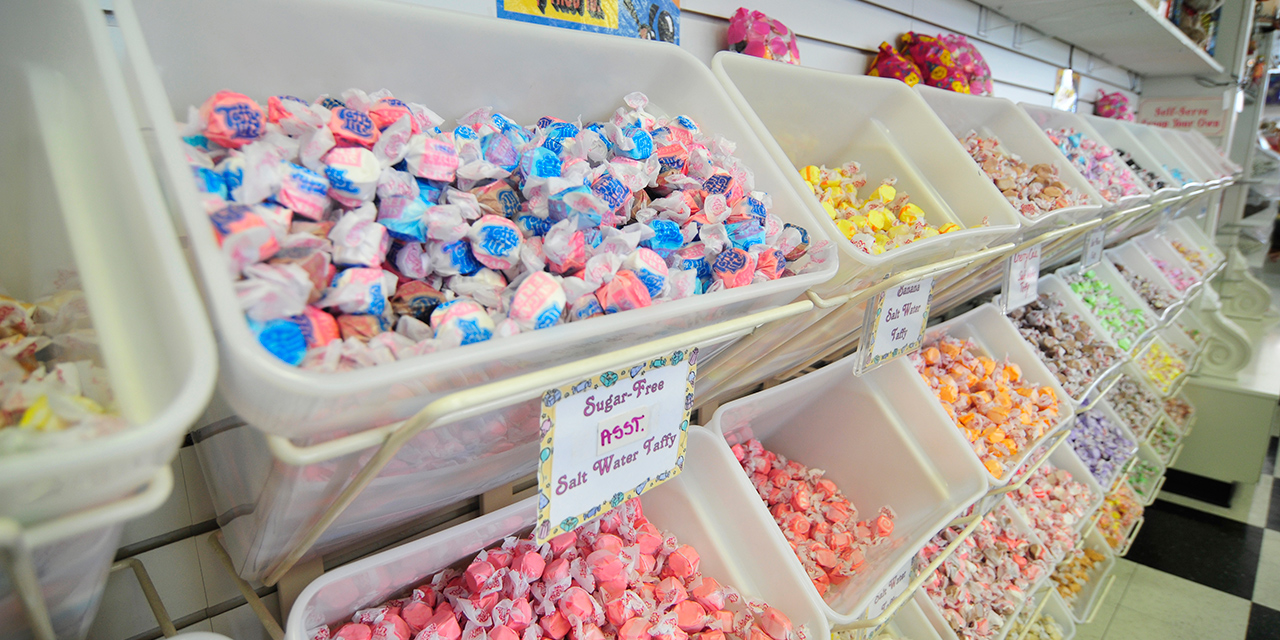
[
  {"x": 1204, "y": 174},
  {"x": 1019, "y": 135},
  {"x": 1169, "y": 160},
  {"x": 811, "y": 117},
  {"x": 1119, "y": 137},
  {"x": 81, "y": 210},
  {"x": 266, "y": 505},
  {"x": 859, "y": 430}
]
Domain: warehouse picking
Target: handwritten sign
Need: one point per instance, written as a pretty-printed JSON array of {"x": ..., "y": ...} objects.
[
  {"x": 1093, "y": 245},
  {"x": 1204, "y": 114},
  {"x": 894, "y": 323},
  {"x": 610, "y": 438},
  {"x": 896, "y": 586},
  {"x": 1021, "y": 275}
]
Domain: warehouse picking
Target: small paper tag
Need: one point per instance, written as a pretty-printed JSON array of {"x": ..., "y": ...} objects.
[
  {"x": 610, "y": 438},
  {"x": 1093, "y": 244},
  {"x": 894, "y": 323},
  {"x": 1021, "y": 276},
  {"x": 896, "y": 586}
]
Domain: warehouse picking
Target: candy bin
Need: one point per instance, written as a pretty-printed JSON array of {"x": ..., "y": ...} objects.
[
  {"x": 1169, "y": 159},
  {"x": 910, "y": 623},
  {"x": 1211, "y": 156},
  {"x": 1103, "y": 443},
  {"x": 107, "y": 356},
  {"x": 992, "y": 389},
  {"x": 1199, "y": 171},
  {"x": 1147, "y": 279},
  {"x": 1165, "y": 440},
  {"x": 1164, "y": 368},
  {"x": 864, "y": 131},
  {"x": 1146, "y": 476},
  {"x": 1121, "y": 519},
  {"x": 276, "y": 495},
  {"x": 1007, "y": 565},
  {"x": 1079, "y": 580},
  {"x": 688, "y": 507},
  {"x": 833, "y": 421},
  {"x": 1193, "y": 328},
  {"x": 1058, "y": 500},
  {"x": 1138, "y": 157},
  {"x": 1089, "y": 153},
  {"x": 1067, "y": 339},
  {"x": 1120, "y": 311},
  {"x": 1014, "y": 154},
  {"x": 1178, "y": 272},
  {"x": 1135, "y": 403},
  {"x": 1053, "y": 622},
  {"x": 1189, "y": 231},
  {"x": 1181, "y": 412}
]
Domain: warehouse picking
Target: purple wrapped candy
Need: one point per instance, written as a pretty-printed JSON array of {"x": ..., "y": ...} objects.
[{"x": 1101, "y": 445}]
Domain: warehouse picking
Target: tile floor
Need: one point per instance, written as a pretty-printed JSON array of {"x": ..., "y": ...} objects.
[{"x": 1200, "y": 571}]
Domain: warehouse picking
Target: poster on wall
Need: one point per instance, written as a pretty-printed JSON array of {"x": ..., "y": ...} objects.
[
  {"x": 1205, "y": 114},
  {"x": 645, "y": 19},
  {"x": 1066, "y": 94}
]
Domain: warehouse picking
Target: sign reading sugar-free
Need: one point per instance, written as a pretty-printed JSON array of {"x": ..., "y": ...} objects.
[
  {"x": 1093, "y": 244},
  {"x": 610, "y": 438},
  {"x": 894, "y": 323},
  {"x": 1021, "y": 277}
]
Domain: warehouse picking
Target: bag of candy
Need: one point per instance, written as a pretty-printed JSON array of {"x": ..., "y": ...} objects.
[
  {"x": 1113, "y": 105},
  {"x": 756, "y": 34},
  {"x": 933, "y": 58},
  {"x": 971, "y": 62},
  {"x": 891, "y": 64}
]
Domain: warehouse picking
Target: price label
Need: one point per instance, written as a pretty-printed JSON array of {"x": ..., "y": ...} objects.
[
  {"x": 1021, "y": 274},
  {"x": 1093, "y": 244},
  {"x": 894, "y": 323},
  {"x": 896, "y": 586},
  {"x": 610, "y": 438}
]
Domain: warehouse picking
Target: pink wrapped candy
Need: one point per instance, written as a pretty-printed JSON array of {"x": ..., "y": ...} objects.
[{"x": 232, "y": 119}]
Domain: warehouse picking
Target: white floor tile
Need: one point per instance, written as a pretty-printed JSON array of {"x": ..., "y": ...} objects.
[
  {"x": 1266, "y": 587},
  {"x": 198, "y": 499},
  {"x": 174, "y": 569},
  {"x": 1130, "y": 624},
  {"x": 174, "y": 514},
  {"x": 1170, "y": 599},
  {"x": 1097, "y": 629},
  {"x": 1261, "y": 503}
]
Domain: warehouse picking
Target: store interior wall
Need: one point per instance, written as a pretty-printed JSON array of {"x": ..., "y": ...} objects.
[{"x": 836, "y": 35}]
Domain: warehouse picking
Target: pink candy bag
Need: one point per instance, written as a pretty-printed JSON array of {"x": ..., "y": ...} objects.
[
  {"x": 756, "y": 34},
  {"x": 1113, "y": 105},
  {"x": 970, "y": 62}
]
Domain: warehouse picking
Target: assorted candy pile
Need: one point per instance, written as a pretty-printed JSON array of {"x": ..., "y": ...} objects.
[
  {"x": 1120, "y": 511},
  {"x": 821, "y": 524},
  {"x": 54, "y": 390},
  {"x": 1031, "y": 189},
  {"x": 1192, "y": 256},
  {"x": 1077, "y": 571},
  {"x": 1164, "y": 440},
  {"x": 1069, "y": 347},
  {"x": 1098, "y": 163},
  {"x": 1177, "y": 175},
  {"x": 1179, "y": 411},
  {"x": 362, "y": 232},
  {"x": 1102, "y": 446},
  {"x": 1053, "y": 503},
  {"x": 1124, "y": 323},
  {"x": 885, "y": 220},
  {"x": 999, "y": 412},
  {"x": 1157, "y": 296},
  {"x": 1192, "y": 333},
  {"x": 618, "y": 577},
  {"x": 1143, "y": 476},
  {"x": 1044, "y": 627},
  {"x": 1135, "y": 405},
  {"x": 1180, "y": 279},
  {"x": 1152, "y": 180},
  {"x": 1161, "y": 365},
  {"x": 980, "y": 586},
  {"x": 1181, "y": 351}
]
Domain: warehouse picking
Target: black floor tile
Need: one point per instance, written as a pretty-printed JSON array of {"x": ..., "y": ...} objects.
[
  {"x": 1264, "y": 623},
  {"x": 1199, "y": 488},
  {"x": 1273, "y": 510},
  {"x": 1210, "y": 550},
  {"x": 1269, "y": 465}
]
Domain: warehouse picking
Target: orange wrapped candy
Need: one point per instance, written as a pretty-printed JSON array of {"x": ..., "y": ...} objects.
[{"x": 999, "y": 412}]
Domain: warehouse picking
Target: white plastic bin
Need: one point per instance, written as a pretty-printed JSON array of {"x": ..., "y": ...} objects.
[
  {"x": 1105, "y": 410},
  {"x": 81, "y": 201},
  {"x": 1057, "y": 609},
  {"x": 859, "y": 430},
  {"x": 72, "y": 573},
  {"x": 1108, "y": 274},
  {"x": 1164, "y": 389},
  {"x": 1206, "y": 154},
  {"x": 1132, "y": 373},
  {"x": 1146, "y": 453},
  {"x": 1058, "y": 289},
  {"x": 1047, "y": 118},
  {"x": 1019, "y": 135},
  {"x": 1065, "y": 458},
  {"x": 1190, "y": 159},
  {"x": 693, "y": 506},
  {"x": 1169, "y": 159},
  {"x": 1118, "y": 136},
  {"x": 1157, "y": 247},
  {"x": 910, "y": 623},
  {"x": 996, "y": 335},
  {"x": 1188, "y": 231},
  {"x": 1198, "y": 140},
  {"x": 1087, "y": 598},
  {"x": 1132, "y": 257},
  {"x": 180, "y": 62}
]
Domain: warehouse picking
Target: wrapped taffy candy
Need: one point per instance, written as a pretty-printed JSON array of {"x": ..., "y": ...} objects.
[
  {"x": 1162, "y": 366},
  {"x": 1044, "y": 627},
  {"x": 1125, "y": 324},
  {"x": 1179, "y": 411},
  {"x": 1072, "y": 575},
  {"x": 1142, "y": 478},
  {"x": 1192, "y": 256},
  {"x": 362, "y": 229},
  {"x": 981, "y": 585},
  {"x": 618, "y": 577},
  {"x": 1120, "y": 512},
  {"x": 821, "y": 524},
  {"x": 1157, "y": 296},
  {"x": 1098, "y": 162},
  {"x": 1066, "y": 345},
  {"x": 1180, "y": 279},
  {"x": 54, "y": 390},
  {"x": 1031, "y": 189},
  {"x": 1102, "y": 446},
  {"x": 999, "y": 411},
  {"x": 1135, "y": 405},
  {"x": 1053, "y": 504},
  {"x": 882, "y": 221}
]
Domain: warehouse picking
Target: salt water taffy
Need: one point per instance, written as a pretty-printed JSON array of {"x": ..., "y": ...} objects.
[
  {"x": 1101, "y": 445},
  {"x": 821, "y": 524},
  {"x": 1124, "y": 323},
  {"x": 1032, "y": 189},
  {"x": 1157, "y": 296},
  {"x": 393, "y": 214},
  {"x": 1067, "y": 346},
  {"x": 1098, "y": 163},
  {"x": 885, "y": 220},
  {"x": 616, "y": 577}
]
